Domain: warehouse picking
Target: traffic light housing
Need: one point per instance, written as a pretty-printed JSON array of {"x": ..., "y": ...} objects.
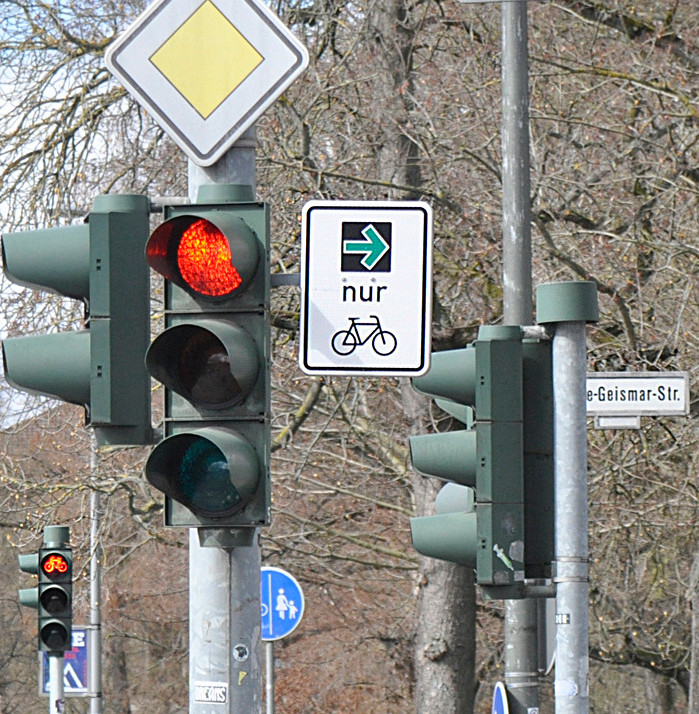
[
  {"x": 500, "y": 388},
  {"x": 101, "y": 367},
  {"x": 53, "y": 595},
  {"x": 213, "y": 360}
]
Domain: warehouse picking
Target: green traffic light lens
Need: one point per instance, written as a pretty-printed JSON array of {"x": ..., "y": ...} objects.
[
  {"x": 205, "y": 479},
  {"x": 55, "y": 637},
  {"x": 214, "y": 472}
]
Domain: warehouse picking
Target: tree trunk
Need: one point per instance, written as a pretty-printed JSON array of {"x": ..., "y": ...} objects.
[
  {"x": 117, "y": 674},
  {"x": 693, "y": 595},
  {"x": 446, "y": 611},
  {"x": 445, "y": 638}
]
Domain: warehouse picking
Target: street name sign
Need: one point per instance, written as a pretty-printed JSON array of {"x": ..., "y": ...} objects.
[
  {"x": 366, "y": 288},
  {"x": 206, "y": 70},
  {"x": 282, "y": 603},
  {"x": 637, "y": 393}
]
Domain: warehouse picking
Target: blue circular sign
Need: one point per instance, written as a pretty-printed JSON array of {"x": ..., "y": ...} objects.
[
  {"x": 281, "y": 600},
  {"x": 500, "y": 699}
]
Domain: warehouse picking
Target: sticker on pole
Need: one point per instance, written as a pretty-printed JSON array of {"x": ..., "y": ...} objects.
[
  {"x": 366, "y": 282},
  {"x": 282, "y": 604}
]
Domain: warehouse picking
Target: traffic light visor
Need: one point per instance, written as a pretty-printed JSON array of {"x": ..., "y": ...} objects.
[{"x": 212, "y": 257}]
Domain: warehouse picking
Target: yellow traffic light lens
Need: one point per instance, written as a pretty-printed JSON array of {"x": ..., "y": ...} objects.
[
  {"x": 54, "y": 600},
  {"x": 204, "y": 371},
  {"x": 205, "y": 262}
]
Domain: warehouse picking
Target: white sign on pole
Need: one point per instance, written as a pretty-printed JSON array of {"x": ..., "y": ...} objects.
[
  {"x": 366, "y": 288},
  {"x": 637, "y": 393},
  {"x": 206, "y": 71}
]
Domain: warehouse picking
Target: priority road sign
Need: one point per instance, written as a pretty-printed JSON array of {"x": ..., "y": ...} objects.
[
  {"x": 366, "y": 284},
  {"x": 282, "y": 603},
  {"x": 206, "y": 70}
]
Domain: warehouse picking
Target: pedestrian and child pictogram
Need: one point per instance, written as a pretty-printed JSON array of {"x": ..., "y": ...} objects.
[{"x": 281, "y": 601}]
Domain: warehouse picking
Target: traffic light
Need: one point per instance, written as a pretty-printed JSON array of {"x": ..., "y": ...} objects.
[
  {"x": 53, "y": 596},
  {"x": 101, "y": 367},
  {"x": 213, "y": 360},
  {"x": 500, "y": 388}
]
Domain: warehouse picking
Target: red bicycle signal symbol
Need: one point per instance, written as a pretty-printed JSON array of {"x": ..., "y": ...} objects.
[{"x": 55, "y": 565}]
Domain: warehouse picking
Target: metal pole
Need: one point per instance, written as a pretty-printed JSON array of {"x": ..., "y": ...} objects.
[
  {"x": 224, "y": 581},
  {"x": 571, "y": 685},
  {"x": 521, "y": 673},
  {"x": 269, "y": 677},
  {"x": 56, "y": 698},
  {"x": 94, "y": 635},
  {"x": 516, "y": 200}
]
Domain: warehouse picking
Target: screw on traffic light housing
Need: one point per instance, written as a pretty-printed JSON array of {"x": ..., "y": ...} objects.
[
  {"x": 213, "y": 360},
  {"x": 100, "y": 368},
  {"x": 487, "y": 457},
  {"x": 53, "y": 596}
]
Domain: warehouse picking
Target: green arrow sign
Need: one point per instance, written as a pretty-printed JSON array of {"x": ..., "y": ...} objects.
[{"x": 374, "y": 247}]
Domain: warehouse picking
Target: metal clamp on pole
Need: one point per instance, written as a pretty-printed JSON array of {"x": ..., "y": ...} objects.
[{"x": 571, "y": 570}]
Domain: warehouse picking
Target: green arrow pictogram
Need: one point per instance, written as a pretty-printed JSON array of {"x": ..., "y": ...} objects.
[{"x": 374, "y": 247}]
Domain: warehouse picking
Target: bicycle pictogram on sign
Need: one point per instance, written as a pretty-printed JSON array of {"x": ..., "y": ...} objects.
[{"x": 383, "y": 342}]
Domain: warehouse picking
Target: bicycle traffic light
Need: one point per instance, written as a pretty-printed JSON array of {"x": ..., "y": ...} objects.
[
  {"x": 100, "y": 368},
  {"x": 53, "y": 596},
  {"x": 501, "y": 389},
  {"x": 213, "y": 360}
]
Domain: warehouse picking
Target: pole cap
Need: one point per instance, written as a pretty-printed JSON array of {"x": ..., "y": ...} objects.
[
  {"x": 570, "y": 301},
  {"x": 56, "y": 536}
]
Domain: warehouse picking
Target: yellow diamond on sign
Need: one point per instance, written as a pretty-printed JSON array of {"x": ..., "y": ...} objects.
[{"x": 206, "y": 59}]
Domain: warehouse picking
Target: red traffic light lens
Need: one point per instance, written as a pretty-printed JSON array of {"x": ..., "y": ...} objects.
[
  {"x": 205, "y": 262},
  {"x": 213, "y": 256},
  {"x": 55, "y": 565}
]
